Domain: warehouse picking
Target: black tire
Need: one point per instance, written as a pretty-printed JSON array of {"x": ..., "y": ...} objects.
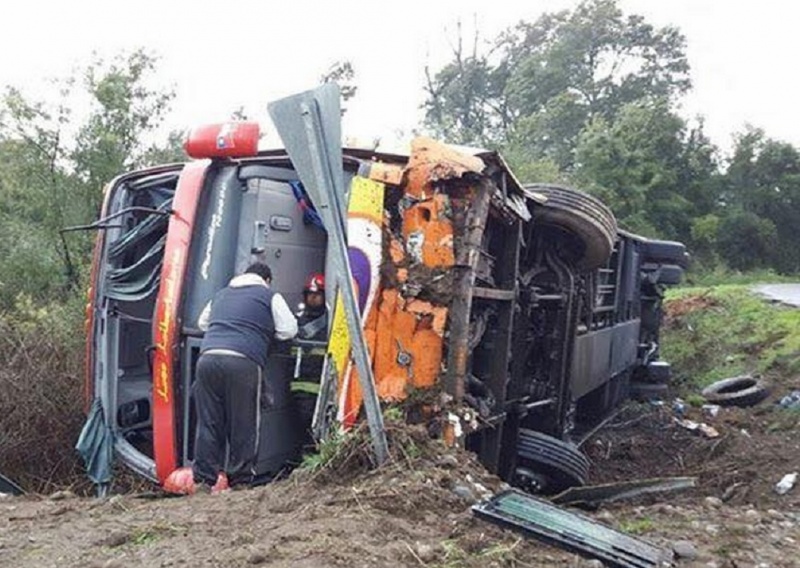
[
  {"x": 659, "y": 372},
  {"x": 736, "y": 391},
  {"x": 645, "y": 392},
  {"x": 671, "y": 252},
  {"x": 670, "y": 274},
  {"x": 582, "y": 215},
  {"x": 561, "y": 463}
]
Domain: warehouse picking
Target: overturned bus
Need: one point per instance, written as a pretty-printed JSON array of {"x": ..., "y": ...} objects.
[{"x": 522, "y": 308}]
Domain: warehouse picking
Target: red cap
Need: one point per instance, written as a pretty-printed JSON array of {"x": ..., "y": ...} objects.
[{"x": 315, "y": 283}]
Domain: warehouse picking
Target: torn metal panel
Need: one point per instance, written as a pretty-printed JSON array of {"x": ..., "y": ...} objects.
[
  {"x": 510, "y": 200},
  {"x": 437, "y": 162},
  {"x": 570, "y": 530},
  {"x": 609, "y": 492},
  {"x": 534, "y": 196}
]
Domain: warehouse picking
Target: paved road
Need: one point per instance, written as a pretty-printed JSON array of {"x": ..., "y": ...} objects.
[{"x": 785, "y": 293}]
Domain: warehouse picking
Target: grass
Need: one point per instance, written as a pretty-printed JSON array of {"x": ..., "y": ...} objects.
[
  {"x": 327, "y": 450},
  {"x": 502, "y": 554},
  {"x": 154, "y": 533},
  {"x": 145, "y": 537},
  {"x": 733, "y": 333},
  {"x": 725, "y": 276},
  {"x": 637, "y": 526}
]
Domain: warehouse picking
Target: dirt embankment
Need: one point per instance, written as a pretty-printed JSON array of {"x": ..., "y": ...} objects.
[{"x": 415, "y": 512}]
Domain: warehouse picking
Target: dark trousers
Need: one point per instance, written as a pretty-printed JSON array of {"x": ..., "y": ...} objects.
[
  {"x": 304, "y": 405},
  {"x": 227, "y": 399}
]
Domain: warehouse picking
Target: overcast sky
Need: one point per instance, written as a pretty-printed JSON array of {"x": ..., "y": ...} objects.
[{"x": 221, "y": 55}]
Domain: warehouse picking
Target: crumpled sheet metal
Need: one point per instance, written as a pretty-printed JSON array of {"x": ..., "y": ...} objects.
[
  {"x": 409, "y": 333},
  {"x": 432, "y": 162},
  {"x": 442, "y": 161},
  {"x": 409, "y": 346},
  {"x": 428, "y": 232}
]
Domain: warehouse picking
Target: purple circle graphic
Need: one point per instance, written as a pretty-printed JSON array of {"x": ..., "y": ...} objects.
[{"x": 362, "y": 272}]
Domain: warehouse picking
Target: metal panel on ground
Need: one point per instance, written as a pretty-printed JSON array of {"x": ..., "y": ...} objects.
[{"x": 569, "y": 530}]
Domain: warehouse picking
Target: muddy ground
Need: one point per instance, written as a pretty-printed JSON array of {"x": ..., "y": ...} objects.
[{"x": 415, "y": 512}]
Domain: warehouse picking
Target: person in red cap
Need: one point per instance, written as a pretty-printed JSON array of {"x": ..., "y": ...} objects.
[
  {"x": 312, "y": 321},
  {"x": 313, "y": 297}
]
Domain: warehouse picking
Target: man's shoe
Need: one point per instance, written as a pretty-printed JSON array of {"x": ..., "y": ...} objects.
[{"x": 221, "y": 486}]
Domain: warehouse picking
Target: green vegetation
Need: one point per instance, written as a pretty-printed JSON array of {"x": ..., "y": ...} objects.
[
  {"x": 154, "y": 533},
  {"x": 697, "y": 277},
  {"x": 715, "y": 332},
  {"x": 637, "y": 526},
  {"x": 588, "y": 96},
  {"x": 327, "y": 450},
  {"x": 455, "y": 555}
]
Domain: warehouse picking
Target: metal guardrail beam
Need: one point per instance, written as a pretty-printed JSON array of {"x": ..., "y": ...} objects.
[{"x": 309, "y": 124}]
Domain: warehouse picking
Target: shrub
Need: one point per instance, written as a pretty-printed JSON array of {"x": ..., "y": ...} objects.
[{"x": 41, "y": 385}]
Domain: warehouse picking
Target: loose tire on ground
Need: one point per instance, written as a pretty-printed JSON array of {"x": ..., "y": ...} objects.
[{"x": 736, "y": 391}]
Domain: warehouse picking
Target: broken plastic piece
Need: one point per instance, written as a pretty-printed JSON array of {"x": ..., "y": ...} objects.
[
  {"x": 786, "y": 483},
  {"x": 701, "y": 427},
  {"x": 384, "y": 173}
]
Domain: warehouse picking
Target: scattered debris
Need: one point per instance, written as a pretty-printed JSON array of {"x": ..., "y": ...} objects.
[
  {"x": 786, "y": 483},
  {"x": 569, "y": 530},
  {"x": 465, "y": 493},
  {"x": 701, "y": 427},
  {"x": 791, "y": 400},
  {"x": 711, "y": 410},
  {"x": 62, "y": 495}
]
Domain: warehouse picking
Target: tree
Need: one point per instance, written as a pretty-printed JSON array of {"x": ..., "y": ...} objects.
[
  {"x": 654, "y": 174},
  {"x": 745, "y": 240},
  {"x": 49, "y": 180},
  {"x": 543, "y": 82},
  {"x": 126, "y": 110},
  {"x": 465, "y": 102},
  {"x": 343, "y": 74},
  {"x": 763, "y": 178}
]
